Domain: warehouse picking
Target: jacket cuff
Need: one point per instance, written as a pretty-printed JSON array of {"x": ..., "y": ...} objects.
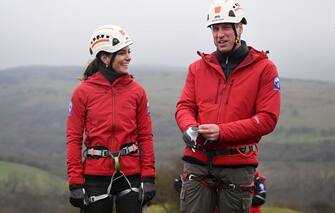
[
  {"x": 75, "y": 186},
  {"x": 190, "y": 125},
  {"x": 148, "y": 179}
]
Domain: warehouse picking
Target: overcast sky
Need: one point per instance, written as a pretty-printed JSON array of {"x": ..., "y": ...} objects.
[{"x": 299, "y": 33}]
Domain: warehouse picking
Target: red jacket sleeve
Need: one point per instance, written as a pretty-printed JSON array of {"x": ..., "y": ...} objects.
[
  {"x": 74, "y": 136},
  {"x": 186, "y": 106},
  {"x": 267, "y": 108},
  {"x": 145, "y": 137}
]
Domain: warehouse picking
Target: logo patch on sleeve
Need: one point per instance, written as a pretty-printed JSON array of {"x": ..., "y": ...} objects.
[
  {"x": 276, "y": 83},
  {"x": 148, "y": 109},
  {"x": 70, "y": 109}
]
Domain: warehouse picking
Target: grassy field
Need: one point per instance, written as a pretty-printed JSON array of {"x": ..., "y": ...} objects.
[
  {"x": 21, "y": 177},
  {"x": 265, "y": 209},
  {"x": 269, "y": 209}
]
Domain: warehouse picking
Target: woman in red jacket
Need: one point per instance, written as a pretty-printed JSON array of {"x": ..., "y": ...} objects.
[{"x": 109, "y": 113}]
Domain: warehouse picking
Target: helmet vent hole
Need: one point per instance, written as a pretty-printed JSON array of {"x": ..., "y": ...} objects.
[
  {"x": 115, "y": 41},
  {"x": 231, "y": 13}
]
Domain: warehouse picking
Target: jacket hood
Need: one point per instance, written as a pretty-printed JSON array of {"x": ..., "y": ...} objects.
[{"x": 98, "y": 79}]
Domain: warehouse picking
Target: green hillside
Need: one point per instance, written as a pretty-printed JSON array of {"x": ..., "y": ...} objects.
[
  {"x": 19, "y": 177},
  {"x": 299, "y": 153},
  {"x": 265, "y": 209},
  {"x": 268, "y": 209}
]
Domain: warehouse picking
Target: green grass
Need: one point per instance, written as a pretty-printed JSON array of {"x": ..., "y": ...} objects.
[
  {"x": 265, "y": 209},
  {"x": 269, "y": 209},
  {"x": 156, "y": 209},
  {"x": 18, "y": 177}
]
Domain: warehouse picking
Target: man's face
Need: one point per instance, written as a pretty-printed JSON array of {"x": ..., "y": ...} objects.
[{"x": 224, "y": 37}]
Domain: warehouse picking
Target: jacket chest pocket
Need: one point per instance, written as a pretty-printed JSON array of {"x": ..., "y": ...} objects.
[
  {"x": 126, "y": 114},
  {"x": 211, "y": 93}
]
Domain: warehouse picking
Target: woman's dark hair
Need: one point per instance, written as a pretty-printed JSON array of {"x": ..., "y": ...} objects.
[{"x": 93, "y": 66}]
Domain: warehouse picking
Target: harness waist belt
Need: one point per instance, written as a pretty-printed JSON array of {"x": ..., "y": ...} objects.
[
  {"x": 228, "y": 151},
  {"x": 233, "y": 151},
  {"x": 217, "y": 184},
  {"x": 104, "y": 153}
]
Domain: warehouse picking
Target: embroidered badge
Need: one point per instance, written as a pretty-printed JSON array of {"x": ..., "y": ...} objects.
[
  {"x": 148, "y": 109},
  {"x": 70, "y": 109},
  {"x": 276, "y": 83}
]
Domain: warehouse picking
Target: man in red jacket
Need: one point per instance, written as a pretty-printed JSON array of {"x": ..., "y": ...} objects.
[{"x": 231, "y": 98}]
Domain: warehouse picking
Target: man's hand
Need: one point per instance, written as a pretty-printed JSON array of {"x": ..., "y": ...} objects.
[
  {"x": 210, "y": 132},
  {"x": 190, "y": 137}
]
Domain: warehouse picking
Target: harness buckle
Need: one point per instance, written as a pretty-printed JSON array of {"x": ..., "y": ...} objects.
[
  {"x": 91, "y": 199},
  {"x": 247, "y": 149},
  {"x": 191, "y": 177},
  {"x": 231, "y": 186},
  {"x": 105, "y": 153}
]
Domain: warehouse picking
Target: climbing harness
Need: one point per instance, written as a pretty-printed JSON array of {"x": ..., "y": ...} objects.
[
  {"x": 215, "y": 183},
  {"x": 212, "y": 181},
  {"x": 102, "y": 152}
]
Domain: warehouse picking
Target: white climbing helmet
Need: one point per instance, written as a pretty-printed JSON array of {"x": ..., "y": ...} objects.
[
  {"x": 225, "y": 11},
  {"x": 109, "y": 38}
]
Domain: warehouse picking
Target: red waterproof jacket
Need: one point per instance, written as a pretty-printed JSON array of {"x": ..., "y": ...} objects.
[
  {"x": 246, "y": 106},
  {"x": 108, "y": 115}
]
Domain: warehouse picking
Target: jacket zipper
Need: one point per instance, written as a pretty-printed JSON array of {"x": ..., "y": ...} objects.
[
  {"x": 227, "y": 69},
  {"x": 220, "y": 103},
  {"x": 217, "y": 91},
  {"x": 230, "y": 84},
  {"x": 113, "y": 117}
]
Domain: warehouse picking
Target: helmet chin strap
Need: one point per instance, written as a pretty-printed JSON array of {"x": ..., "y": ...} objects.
[{"x": 237, "y": 39}]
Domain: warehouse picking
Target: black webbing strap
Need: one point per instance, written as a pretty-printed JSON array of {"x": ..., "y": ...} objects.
[
  {"x": 217, "y": 184},
  {"x": 100, "y": 152},
  {"x": 228, "y": 151},
  {"x": 232, "y": 151}
]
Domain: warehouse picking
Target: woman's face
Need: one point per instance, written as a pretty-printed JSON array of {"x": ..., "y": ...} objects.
[{"x": 122, "y": 60}]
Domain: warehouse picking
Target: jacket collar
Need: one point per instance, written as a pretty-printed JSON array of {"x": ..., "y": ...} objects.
[
  {"x": 109, "y": 73},
  {"x": 235, "y": 57},
  {"x": 98, "y": 79},
  {"x": 252, "y": 57}
]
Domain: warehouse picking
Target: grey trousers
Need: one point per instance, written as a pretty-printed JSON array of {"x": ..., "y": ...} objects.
[{"x": 198, "y": 198}]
